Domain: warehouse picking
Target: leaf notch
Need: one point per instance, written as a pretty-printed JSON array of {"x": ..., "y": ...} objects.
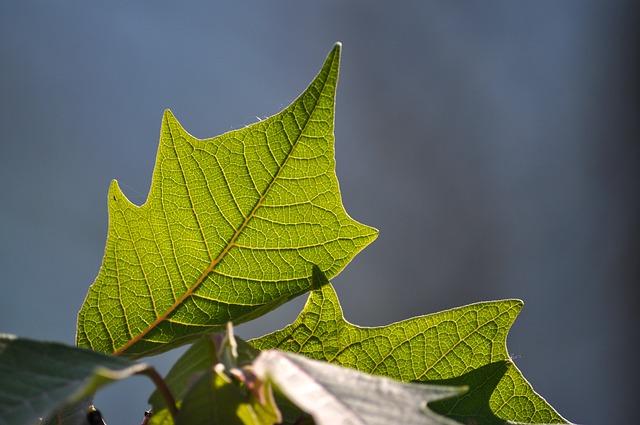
[{"x": 231, "y": 229}]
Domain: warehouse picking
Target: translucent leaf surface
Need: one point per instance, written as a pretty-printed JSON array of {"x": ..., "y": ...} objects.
[
  {"x": 230, "y": 230},
  {"x": 335, "y": 395},
  {"x": 37, "y": 377},
  {"x": 434, "y": 347}
]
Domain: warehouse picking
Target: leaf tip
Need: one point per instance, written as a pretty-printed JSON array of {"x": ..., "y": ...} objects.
[
  {"x": 115, "y": 193},
  {"x": 114, "y": 190},
  {"x": 168, "y": 114},
  {"x": 334, "y": 54},
  {"x": 517, "y": 303}
]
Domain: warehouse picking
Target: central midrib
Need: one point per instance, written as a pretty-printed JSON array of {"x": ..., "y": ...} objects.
[{"x": 231, "y": 243}]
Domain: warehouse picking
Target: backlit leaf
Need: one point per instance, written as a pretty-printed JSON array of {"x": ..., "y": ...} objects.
[
  {"x": 230, "y": 230},
  {"x": 429, "y": 348}
]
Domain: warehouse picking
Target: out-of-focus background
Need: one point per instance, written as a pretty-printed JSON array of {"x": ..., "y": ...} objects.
[{"x": 494, "y": 144}]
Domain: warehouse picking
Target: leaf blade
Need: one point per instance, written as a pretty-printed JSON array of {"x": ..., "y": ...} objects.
[
  {"x": 425, "y": 348},
  {"x": 335, "y": 395},
  {"x": 230, "y": 230},
  {"x": 37, "y": 377}
]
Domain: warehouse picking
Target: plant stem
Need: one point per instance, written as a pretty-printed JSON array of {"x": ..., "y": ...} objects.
[{"x": 152, "y": 374}]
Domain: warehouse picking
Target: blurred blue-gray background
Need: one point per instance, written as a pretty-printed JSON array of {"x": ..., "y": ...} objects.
[{"x": 494, "y": 144}]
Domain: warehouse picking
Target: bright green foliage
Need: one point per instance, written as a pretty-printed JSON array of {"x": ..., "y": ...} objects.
[
  {"x": 36, "y": 377},
  {"x": 335, "y": 395},
  {"x": 435, "y": 347},
  {"x": 230, "y": 230},
  {"x": 233, "y": 227}
]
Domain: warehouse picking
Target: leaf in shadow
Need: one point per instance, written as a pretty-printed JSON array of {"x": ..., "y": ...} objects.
[
  {"x": 472, "y": 407},
  {"x": 216, "y": 399},
  {"x": 37, "y": 377}
]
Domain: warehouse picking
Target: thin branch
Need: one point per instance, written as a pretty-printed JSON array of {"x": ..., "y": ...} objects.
[{"x": 152, "y": 374}]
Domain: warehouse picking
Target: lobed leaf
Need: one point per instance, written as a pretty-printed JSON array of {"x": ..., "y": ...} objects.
[
  {"x": 230, "y": 230},
  {"x": 428, "y": 348}
]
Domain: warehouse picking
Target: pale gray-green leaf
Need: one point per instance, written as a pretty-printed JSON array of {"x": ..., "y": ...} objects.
[{"x": 335, "y": 395}]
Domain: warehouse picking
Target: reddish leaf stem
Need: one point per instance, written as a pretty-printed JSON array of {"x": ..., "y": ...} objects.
[{"x": 162, "y": 387}]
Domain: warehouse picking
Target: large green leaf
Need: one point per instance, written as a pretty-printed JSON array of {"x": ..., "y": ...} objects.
[
  {"x": 37, "y": 377},
  {"x": 435, "y": 347},
  {"x": 230, "y": 230}
]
